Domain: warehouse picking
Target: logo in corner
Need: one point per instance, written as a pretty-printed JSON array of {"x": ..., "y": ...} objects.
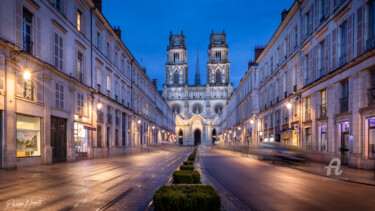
[{"x": 336, "y": 167}]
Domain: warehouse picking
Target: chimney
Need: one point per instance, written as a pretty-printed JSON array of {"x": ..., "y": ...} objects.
[
  {"x": 284, "y": 13},
  {"x": 155, "y": 82},
  {"x": 98, "y": 4},
  {"x": 258, "y": 50},
  {"x": 117, "y": 31}
]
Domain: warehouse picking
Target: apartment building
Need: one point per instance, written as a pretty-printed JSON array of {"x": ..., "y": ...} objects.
[
  {"x": 69, "y": 87},
  {"x": 314, "y": 84}
]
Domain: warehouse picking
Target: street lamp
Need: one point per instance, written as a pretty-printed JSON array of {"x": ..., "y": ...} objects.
[
  {"x": 239, "y": 128},
  {"x": 251, "y": 121},
  {"x": 99, "y": 106},
  {"x": 139, "y": 121},
  {"x": 26, "y": 75},
  {"x": 153, "y": 127},
  {"x": 288, "y": 105}
]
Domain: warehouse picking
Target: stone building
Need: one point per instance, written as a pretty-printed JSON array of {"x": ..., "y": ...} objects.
[
  {"x": 312, "y": 86},
  {"x": 69, "y": 87},
  {"x": 197, "y": 106}
]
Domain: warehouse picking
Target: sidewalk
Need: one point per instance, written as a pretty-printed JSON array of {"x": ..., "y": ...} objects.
[{"x": 348, "y": 174}]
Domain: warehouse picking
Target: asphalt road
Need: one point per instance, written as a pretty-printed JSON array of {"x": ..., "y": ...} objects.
[
  {"x": 121, "y": 183},
  {"x": 264, "y": 186}
]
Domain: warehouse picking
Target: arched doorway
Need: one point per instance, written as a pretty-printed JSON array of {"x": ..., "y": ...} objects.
[
  {"x": 214, "y": 136},
  {"x": 197, "y": 137},
  {"x": 180, "y": 137}
]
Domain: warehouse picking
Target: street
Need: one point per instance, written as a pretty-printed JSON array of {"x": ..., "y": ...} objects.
[
  {"x": 120, "y": 183},
  {"x": 264, "y": 186}
]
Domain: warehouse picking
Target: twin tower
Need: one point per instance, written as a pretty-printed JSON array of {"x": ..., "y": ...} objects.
[{"x": 217, "y": 64}]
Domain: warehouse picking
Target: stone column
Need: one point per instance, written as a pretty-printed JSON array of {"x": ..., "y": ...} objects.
[{"x": 47, "y": 155}]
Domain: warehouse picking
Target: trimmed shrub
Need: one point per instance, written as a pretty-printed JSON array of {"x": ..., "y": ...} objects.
[
  {"x": 188, "y": 162},
  {"x": 187, "y": 198},
  {"x": 187, "y": 167},
  {"x": 186, "y": 177},
  {"x": 191, "y": 158}
]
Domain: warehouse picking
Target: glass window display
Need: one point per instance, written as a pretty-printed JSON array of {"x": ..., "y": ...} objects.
[{"x": 28, "y": 136}]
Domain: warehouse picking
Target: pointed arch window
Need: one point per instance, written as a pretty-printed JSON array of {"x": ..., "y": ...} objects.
[
  {"x": 176, "y": 77},
  {"x": 218, "y": 76}
]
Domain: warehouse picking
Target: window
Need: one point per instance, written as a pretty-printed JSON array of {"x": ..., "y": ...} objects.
[
  {"x": 98, "y": 40},
  {"x": 323, "y": 103},
  {"x": 295, "y": 78},
  {"x": 295, "y": 37},
  {"x": 99, "y": 77},
  {"x": 28, "y": 136},
  {"x": 59, "y": 96},
  {"x": 27, "y": 31},
  {"x": 218, "y": 108},
  {"x": 122, "y": 66},
  {"x": 271, "y": 66},
  {"x": 321, "y": 59},
  {"x": 343, "y": 43},
  {"x": 176, "y": 77},
  {"x": 58, "y": 52},
  {"x": 176, "y": 57},
  {"x": 197, "y": 108},
  {"x": 307, "y": 108},
  {"x": 371, "y": 19},
  {"x": 344, "y": 100},
  {"x": 108, "y": 82},
  {"x": 307, "y": 23},
  {"x": 58, "y": 5},
  {"x": 218, "y": 76},
  {"x": 108, "y": 53},
  {"x": 321, "y": 10},
  {"x": 80, "y": 67},
  {"x": 306, "y": 68},
  {"x": 218, "y": 56},
  {"x": 116, "y": 59},
  {"x": 79, "y": 21},
  {"x": 80, "y": 104}
]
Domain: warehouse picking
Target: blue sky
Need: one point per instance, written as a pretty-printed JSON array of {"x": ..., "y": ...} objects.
[{"x": 145, "y": 26}]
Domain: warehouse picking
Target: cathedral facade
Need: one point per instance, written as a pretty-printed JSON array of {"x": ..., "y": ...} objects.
[{"x": 197, "y": 105}]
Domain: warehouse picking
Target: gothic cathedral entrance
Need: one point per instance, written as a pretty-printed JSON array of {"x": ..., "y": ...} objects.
[{"x": 197, "y": 137}]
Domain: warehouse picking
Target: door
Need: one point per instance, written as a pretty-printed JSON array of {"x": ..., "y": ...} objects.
[
  {"x": 344, "y": 148},
  {"x": 58, "y": 139},
  {"x": 197, "y": 137}
]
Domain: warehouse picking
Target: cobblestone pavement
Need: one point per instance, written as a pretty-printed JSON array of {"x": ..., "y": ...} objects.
[
  {"x": 120, "y": 183},
  {"x": 264, "y": 186}
]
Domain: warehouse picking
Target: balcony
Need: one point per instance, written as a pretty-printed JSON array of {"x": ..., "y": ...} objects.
[
  {"x": 342, "y": 60},
  {"x": 109, "y": 118},
  {"x": 344, "y": 104},
  {"x": 323, "y": 110},
  {"x": 108, "y": 93},
  {"x": 117, "y": 120},
  {"x": 100, "y": 116},
  {"x": 116, "y": 98},
  {"x": 98, "y": 87},
  {"x": 123, "y": 102},
  {"x": 294, "y": 88},
  {"x": 371, "y": 96},
  {"x": 370, "y": 43},
  {"x": 307, "y": 115},
  {"x": 285, "y": 94},
  {"x": 80, "y": 77}
]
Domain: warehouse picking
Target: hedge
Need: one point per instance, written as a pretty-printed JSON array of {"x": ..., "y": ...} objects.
[
  {"x": 192, "y": 155},
  {"x": 186, "y": 177},
  {"x": 187, "y": 167},
  {"x": 188, "y": 162},
  {"x": 187, "y": 198}
]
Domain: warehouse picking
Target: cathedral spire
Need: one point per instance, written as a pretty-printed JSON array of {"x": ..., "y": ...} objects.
[{"x": 197, "y": 73}]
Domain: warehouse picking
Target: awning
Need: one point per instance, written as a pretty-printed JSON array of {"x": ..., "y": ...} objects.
[{"x": 88, "y": 126}]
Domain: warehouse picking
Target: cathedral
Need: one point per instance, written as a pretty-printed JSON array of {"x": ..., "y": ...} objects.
[{"x": 197, "y": 105}]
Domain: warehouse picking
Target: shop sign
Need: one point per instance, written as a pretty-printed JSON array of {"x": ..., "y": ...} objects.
[
  {"x": 371, "y": 122},
  {"x": 345, "y": 126},
  {"x": 288, "y": 130},
  {"x": 279, "y": 132}
]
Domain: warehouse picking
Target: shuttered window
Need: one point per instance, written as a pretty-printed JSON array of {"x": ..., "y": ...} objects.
[
  {"x": 59, "y": 96},
  {"x": 80, "y": 103},
  {"x": 58, "y": 52}
]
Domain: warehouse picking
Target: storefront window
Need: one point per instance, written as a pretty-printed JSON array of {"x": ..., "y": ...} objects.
[
  {"x": 371, "y": 142},
  {"x": 323, "y": 138},
  {"x": 28, "y": 136},
  {"x": 80, "y": 137}
]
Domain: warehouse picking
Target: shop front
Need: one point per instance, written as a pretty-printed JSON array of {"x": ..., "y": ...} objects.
[
  {"x": 323, "y": 143},
  {"x": 345, "y": 142},
  {"x": 371, "y": 136},
  {"x": 28, "y": 136},
  {"x": 82, "y": 134}
]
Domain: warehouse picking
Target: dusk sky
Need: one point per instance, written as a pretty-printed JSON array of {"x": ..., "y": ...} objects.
[{"x": 145, "y": 26}]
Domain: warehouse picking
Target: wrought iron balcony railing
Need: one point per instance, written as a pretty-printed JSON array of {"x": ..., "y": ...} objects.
[{"x": 323, "y": 110}]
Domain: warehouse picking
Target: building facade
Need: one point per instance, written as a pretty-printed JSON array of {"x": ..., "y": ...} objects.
[
  {"x": 312, "y": 85},
  {"x": 69, "y": 87},
  {"x": 197, "y": 106}
]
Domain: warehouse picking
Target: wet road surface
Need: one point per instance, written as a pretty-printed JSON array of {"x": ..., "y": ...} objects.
[
  {"x": 121, "y": 183},
  {"x": 264, "y": 186}
]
